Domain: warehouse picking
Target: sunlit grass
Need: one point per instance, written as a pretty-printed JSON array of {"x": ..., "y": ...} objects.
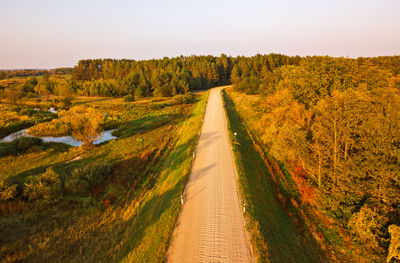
[{"x": 131, "y": 215}]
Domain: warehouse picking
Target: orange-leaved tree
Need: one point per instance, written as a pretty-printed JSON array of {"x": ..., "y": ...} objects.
[{"x": 85, "y": 123}]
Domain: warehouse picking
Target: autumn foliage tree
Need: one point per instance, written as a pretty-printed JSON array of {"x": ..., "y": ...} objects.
[
  {"x": 339, "y": 120},
  {"x": 84, "y": 122},
  {"x": 65, "y": 93}
]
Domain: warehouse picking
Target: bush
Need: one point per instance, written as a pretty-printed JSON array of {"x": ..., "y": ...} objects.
[
  {"x": 21, "y": 145},
  {"x": 82, "y": 179},
  {"x": 7, "y": 190},
  {"x": 6, "y": 149},
  {"x": 15, "y": 109},
  {"x": 23, "y": 110},
  {"x": 26, "y": 111},
  {"x": 129, "y": 98},
  {"x": 157, "y": 106},
  {"x": 13, "y": 127},
  {"x": 185, "y": 99},
  {"x": 47, "y": 186}
]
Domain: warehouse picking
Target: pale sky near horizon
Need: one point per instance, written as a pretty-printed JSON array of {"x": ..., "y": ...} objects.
[{"x": 55, "y": 33}]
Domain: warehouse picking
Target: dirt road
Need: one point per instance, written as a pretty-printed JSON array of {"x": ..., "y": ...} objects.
[{"x": 211, "y": 225}]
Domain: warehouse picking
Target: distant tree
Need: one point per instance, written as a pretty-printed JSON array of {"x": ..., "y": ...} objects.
[
  {"x": 65, "y": 93},
  {"x": 212, "y": 75},
  {"x": 30, "y": 84},
  {"x": 3, "y": 75},
  {"x": 46, "y": 76},
  {"x": 13, "y": 95},
  {"x": 235, "y": 76},
  {"x": 249, "y": 85}
]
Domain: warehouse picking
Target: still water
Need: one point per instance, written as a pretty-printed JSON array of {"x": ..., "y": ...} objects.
[{"x": 107, "y": 135}]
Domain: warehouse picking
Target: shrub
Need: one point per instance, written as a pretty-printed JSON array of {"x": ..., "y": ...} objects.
[
  {"x": 26, "y": 111},
  {"x": 15, "y": 109},
  {"x": 6, "y": 149},
  {"x": 185, "y": 99},
  {"x": 129, "y": 98},
  {"x": 157, "y": 106},
  {"x": 86, "y": 177},
  {"x": 23, "y": 144},
  {"x": 20, "y": 145},
  {"x": 7, "y": 190},
  {"x": 47, "y": 186}
]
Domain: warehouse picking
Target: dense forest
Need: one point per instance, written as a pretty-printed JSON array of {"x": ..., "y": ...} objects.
[
  {"x": 171, "y": 76},
  {"x": 158, "y": 77},
  {"x": 336, "y": 122},
  {"x": 163, "y": 77}
]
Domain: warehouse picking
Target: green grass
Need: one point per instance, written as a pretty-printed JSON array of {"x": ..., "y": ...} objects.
[
  {"x": 275, "y": 237},
  {"x": 128, "y": 217},
  {"x": 159, "y": 209}
]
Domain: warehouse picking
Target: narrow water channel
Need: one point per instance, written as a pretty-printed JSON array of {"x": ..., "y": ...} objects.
[{"x": 107, "y": 135}]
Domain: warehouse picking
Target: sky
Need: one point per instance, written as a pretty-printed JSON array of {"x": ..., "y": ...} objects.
[{"x": 55, "y": 33}]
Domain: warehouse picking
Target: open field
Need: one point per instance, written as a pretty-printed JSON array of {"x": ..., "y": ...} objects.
[{"x": 112, "y": 202}]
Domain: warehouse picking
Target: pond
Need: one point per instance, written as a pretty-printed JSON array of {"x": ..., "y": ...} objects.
[
  {"x": 51, "y": 109},
  {"x": 107, "y": 135}
]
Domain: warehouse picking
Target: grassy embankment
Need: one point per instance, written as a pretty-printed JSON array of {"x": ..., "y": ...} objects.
[
  {"x": 275, "y": 235},
  {"x": 128, "y": 215},
  {"x": 161, "y": 206}
]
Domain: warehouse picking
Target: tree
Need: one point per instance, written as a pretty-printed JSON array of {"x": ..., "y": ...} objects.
[
  {"x": 394, "y": 248},
  {"x": 249, "y": 85},
  {"x": 44, "y": 87},
  {"x": 3, "y": 75},
  {"x": 30, "y": 84},
  {"x": 65, "y": 93},
  {"x": 283, "y": 126},
  {"x": 235, "y": 76},
  {"x": 368, "y": 226},
  {"x": 85, "y": 123},
  {"x": 13, "y": 95}
]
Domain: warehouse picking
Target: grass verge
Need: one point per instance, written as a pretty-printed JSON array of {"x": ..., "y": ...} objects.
[
  {"x": 159, "y": 208},
  {"x": 274, "y": 235}
]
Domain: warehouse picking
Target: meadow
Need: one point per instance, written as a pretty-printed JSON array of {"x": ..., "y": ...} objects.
[{"x": 112, "y": 202}]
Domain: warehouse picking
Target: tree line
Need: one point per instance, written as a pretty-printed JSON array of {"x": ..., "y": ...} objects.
[
  {"x": 7, "y": 74},
  {"x": 162, "y": 77},
  {"x": 338, "y": 121},
  {"x": 157, "y": 77}
]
